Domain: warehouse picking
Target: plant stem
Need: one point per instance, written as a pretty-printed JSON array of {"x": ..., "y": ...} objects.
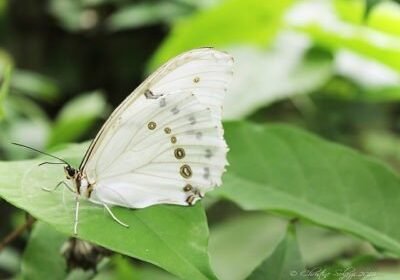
[{"x": 17, "y": 232}]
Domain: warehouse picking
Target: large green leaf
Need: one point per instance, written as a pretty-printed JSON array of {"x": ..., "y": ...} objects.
[
  {"x": 42, "y": 257},
  {"x": 231, "y": 22},
  {"x": 172, "y": 237},
  {"x": 284, "y": 263},
  {"x": 285, "y": 169}
]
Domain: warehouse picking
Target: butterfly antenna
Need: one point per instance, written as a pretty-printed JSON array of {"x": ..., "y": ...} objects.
[
  {"x": 48, "y": 162},
  {"x": 36, "y": 150}
]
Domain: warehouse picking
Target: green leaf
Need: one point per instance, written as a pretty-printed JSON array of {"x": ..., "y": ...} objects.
[
  {"x": 284, "y": 263},
  {"x": 372, "y": 4},
  {"x": 17, "y": 131},
  {"x": 228, "y": 23},
  {"x": 251, "y": 237},
  {"x": 257, "y": 69},
  {"x": 381, "y": 143},
  {"x": 35, "y": 85},
  {"x": 172, "y": 237},
  {"x": 358, "y": 39},
  {"x": 17, "y": 106},
  {"x": 73, "y": 16},
  {"x": 385, "y": 16},
  {"x": 81, "y": 274},
  {"x": 319, "y": 245},
  {"x": 369, "y": 5},
  {"x": 121, "y": 267},
  {"x": 346, "y": 89},
  {"x": 76, "y": 117},
  {"x": 42, "y": 257},
  {"x": 124, "y": 269},
  {"x": 284, "y": 169},
  {"x": 9, "y": 260},
  {"x": 142, "y": 14},
  {"x": 5, "y": 86},
  {"x": 151, "y": 272}
]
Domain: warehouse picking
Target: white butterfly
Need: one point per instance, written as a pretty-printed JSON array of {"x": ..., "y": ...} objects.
[{"x": 164, "y": 143}]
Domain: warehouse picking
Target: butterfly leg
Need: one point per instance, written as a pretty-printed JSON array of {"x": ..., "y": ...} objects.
[
  {"x": 57, "y": 186},
  {"x": 76, "y": 220},
  {"x": 113, "y": 216}
]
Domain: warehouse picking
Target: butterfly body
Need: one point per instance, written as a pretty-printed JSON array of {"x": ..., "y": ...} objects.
[
  {"x": 164, "y": 143},
  {"x": 81, "y": 185}
]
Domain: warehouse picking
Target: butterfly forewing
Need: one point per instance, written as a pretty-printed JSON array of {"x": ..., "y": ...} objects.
[
  {"x": 206, "y": 73},
  {"x": 164, "y": 143}
]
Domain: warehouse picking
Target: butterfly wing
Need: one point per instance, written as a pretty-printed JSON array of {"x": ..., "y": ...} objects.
[{"x": 164, "y": 143}]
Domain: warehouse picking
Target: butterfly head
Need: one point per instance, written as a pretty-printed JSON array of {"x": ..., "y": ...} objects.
[{"x": 70, "y": 172}]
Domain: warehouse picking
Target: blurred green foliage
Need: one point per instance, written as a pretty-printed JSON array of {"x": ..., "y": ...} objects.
[
  {"x": 5, "y": 86},
  {"x": 42, "y": 258},
  {"x": 76, "y": 117},
  {"x": 285, "y": 260},
  {"x": 224, "y": 25},
  {"x": 359, "y": 42},
  {"x": 371, "y": 5},
  {"x": 331, "y": 67}
]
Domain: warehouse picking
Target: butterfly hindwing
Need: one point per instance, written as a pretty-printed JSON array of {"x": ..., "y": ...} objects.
[{"x": 175, "y": 152}]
